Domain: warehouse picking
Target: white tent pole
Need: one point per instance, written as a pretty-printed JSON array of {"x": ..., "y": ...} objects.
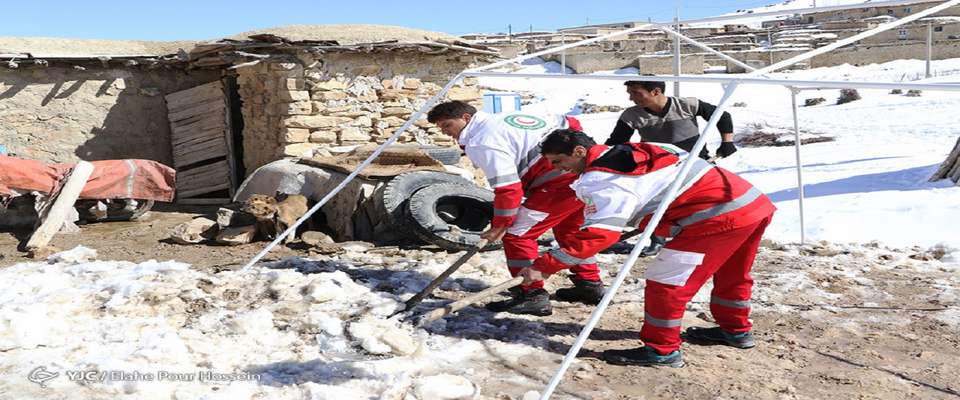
[
  {"x": 707, "y": 48},
  {"x": 635, "y": 253},
  {"x": 376, "y": 152},
  {"x": 855, "y": 38},
  {"x": 801, "y": 84},
  {"x": 796, "y": 135}
]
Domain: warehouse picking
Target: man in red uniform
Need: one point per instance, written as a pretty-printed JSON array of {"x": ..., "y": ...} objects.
[
  {"x": 716, "y": 220},
  {"x": 530, "y": 196}
]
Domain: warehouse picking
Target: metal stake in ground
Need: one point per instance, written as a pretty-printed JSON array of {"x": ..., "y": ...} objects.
[{"x": 417, "y": 298}]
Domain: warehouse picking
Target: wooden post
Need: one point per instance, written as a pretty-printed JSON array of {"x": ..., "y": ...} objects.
[
  {"x": 466, "y": 301},
  {"x": 64, "y": 201}
]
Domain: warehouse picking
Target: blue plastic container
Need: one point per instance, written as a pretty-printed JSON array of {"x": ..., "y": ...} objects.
[{"x": 497, "y": 102}]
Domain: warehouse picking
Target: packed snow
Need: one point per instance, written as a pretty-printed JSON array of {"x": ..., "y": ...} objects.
[{"x": 295, "y": 329}]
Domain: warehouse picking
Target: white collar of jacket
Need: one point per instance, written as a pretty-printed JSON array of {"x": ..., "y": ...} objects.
[{"x": 475, "y": 125}]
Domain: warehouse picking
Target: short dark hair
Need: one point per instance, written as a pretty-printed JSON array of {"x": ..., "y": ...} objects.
[
  {"x": 450, "y": 110},
  {"x": 648, "y": 85},
  {"x": 563, "y": 141}
]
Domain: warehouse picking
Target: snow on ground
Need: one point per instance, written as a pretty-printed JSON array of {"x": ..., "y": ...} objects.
[
  {"x": 297, "y": 330},
  {"x": 869, "y": 184},
  {"x": 319, "y": 329}
]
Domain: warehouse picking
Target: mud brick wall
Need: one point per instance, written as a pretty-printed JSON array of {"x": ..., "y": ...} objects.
[{"x": 65, "y": 114}]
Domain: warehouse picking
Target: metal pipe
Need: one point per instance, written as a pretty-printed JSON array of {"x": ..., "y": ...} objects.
[
  {"x": 635, "y": 253},
  {"x": 929, "y": 46},
  {"x": 376, "y": 152},
  {"x": 563, "y": 55},
  {"x": 676, "y": 55},
  {"x": 855, "y": 38},
  {"x": 796, "y": 135},
  {"x": 744, "y": 79}
]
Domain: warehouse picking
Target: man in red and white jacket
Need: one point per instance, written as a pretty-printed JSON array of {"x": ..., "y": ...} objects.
[
  {"x": 716, "y": 220},
  {"x": 530, "y": 196}
]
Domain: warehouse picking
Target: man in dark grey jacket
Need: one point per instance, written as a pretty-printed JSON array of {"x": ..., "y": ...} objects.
[{"x": 663, "y": 119}]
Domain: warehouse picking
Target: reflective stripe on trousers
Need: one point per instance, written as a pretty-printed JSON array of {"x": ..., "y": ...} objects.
[
  {"x": 729, "y": 303},
  {"x": 661, "y": 323},
  {"x": 571, "y": 260}
]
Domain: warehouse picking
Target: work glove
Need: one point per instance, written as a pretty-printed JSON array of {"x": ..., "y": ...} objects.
[{"x": 726, "y": 149}]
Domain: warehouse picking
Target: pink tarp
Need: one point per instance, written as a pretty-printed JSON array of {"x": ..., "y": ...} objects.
[{"x": 111, "y": 179}]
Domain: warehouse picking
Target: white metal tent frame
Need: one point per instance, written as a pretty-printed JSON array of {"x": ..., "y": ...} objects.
[{"x": 755, "y": 77}]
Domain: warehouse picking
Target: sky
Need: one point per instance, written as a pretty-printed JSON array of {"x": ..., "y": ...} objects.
[{"x": 211, "y": 19}]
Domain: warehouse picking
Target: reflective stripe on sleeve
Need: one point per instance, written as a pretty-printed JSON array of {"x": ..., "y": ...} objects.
[
  {"x": 612, "y": 223},
  {"x": 503, "y": 180}
]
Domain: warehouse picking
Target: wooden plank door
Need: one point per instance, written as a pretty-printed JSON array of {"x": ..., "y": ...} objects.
[{"x": 202, "y": 144}]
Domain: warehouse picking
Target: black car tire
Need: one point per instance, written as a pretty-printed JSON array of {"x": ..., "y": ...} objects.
[{"x": 451, "y": 216}]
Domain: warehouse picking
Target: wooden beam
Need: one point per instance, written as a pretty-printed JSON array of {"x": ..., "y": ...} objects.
[
  {"x": 194, "y": 158},
  {"x": 202, "y": 190},
  {"x": 194, "y": 101},
  {"x": 215, "y": 176},
  {"x": 53, "y": 221},
  {"x": 187, "y": 173},
  {"x": 185, "y": 123},
  {"x": 182, "y": 95},
  {"x": 199, "y": 141},
  {"x": 206, "y": 108},
  {"x": 203, "y": 151}
]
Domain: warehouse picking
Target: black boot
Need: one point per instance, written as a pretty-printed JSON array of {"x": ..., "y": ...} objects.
[
  {"x": 534, "y": 302},
  {"x": 656, "y": 243},
  {"x": 716, "y": 335},
  {"x": 586, "y": 292},
  {"x": 644, "y": 356}
]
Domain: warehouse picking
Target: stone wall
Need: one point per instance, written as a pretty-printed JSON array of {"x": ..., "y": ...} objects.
[
  {"x": 868, "y": 12},
  {"x": 913, "y": 33},
  {"x": 65, "y": 114},
  {"x": 584, "y": 63},
  {"x": 857, "y": 55},
  {"x": 296, "y": 108},
  {"x": 862, "y": 55}
]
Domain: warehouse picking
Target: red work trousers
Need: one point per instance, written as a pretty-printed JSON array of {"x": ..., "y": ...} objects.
[
  {"x": 553, "y": 207},
  {"x": 727, "y": 257}
]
